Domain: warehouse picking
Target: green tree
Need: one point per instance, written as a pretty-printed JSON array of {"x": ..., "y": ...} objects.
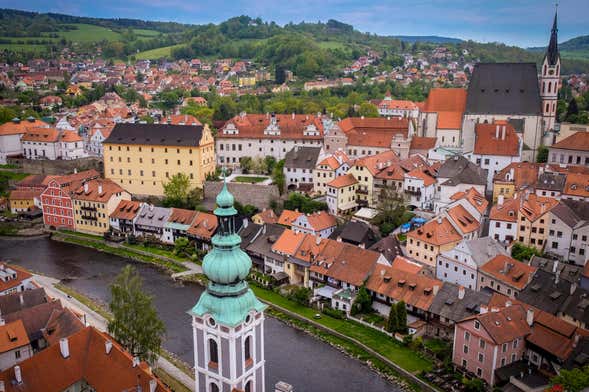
[
  {"x": 392, "y": 211},
  {"x": 523, "y": 253},
  {"x": 362, "y": 302},
  {"x": 368, "y": 110},
  {"x": 181, "y": 245},
  {"x": 572, "y": 111},
  {"x": 401, "y": 317},
  {"x": 176, "y": 190},
  {"x": 574, "y": 380},
  {"x": 542, "y": 156},
  {"x": 392, "y": 320},
  {"x": 278, "y": 176},
  {"x": 135, "y": 323},
  {"x": 246, "y": 164},
  {"x": 473, "y": 385}
]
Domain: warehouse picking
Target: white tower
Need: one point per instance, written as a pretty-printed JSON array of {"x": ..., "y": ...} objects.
[
  {"x": 228, "y": 320},
  {"x": 550, "y": 79}
]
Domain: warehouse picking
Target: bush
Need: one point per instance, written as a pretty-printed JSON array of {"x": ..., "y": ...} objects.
[
  {"x": 300, "y": 295},
  {"x": 338, "y": 314},
  {"x": 523, "y": 253}
]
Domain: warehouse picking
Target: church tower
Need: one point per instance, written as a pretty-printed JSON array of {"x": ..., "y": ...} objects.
[
  {"x": 228, "y": 320},
  {"x": 550, "y": 79}
]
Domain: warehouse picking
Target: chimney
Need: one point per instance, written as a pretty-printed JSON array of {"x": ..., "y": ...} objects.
[
  {"x": 107, "y": 346},
  {"x": 461, "y": 292},
  {"x": 557, "y": 277},
  {"x": 2, "y": 321},
  {"x": 17, "y": 374},
  {"x": 507, "y": 304},
  {"x": 293, "y": 115},
  {"x": 500, "y": 199},
  {"x": 2, "y": 387},
  {"x": 530, "y": 317},
  {"x": 497, "y": 131},
  {"x": 573, "y": 288},
  {"x": 75, "y": 170},
  {"x": 436, "y": 289},
  {"x": 554, "y": 266},
  {"x": 64, "y": 347},
  {"x": 21, "y": 298},
  {"x": 503, "y": 130},
  {"x": 439, "y": 219},
  {"x": 494, "y": 309},
  {"x": 100, "y": 189},
  {"x": 152, "y": 385},
  {"x": 85, "y": 187},
  {"x": 135, "y": 361},
  {"x": 483, "y": 309}
]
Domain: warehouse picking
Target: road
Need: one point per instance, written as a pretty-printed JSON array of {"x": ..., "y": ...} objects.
[{"x": 96, "y": 320}]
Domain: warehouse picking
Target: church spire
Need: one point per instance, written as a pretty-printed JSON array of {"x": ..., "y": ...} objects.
[{"x": 552, "y": 51}]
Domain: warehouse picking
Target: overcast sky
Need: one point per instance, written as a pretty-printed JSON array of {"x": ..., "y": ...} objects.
[{"x": 518, "y": 22}]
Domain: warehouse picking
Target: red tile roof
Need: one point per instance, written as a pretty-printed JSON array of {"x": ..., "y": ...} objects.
[
  {"x": 378, "y": 162},
  {"x": 463, "y": 219},
  {"x": 343, "y": 181},
  {"x": 576, "y": 184},
  {"x": 87, "y": 361},
  {"x": 420, "y": 174},
  {"x": 204, "y": 225},
  {"x": 534, "y": 206},
  {"x": 13, "y": 128},
  {"x": 21, "y": 274},
  {"x": 13, "y": 335},
  {"x": 46, "y": 135},
  {"x": 97, "y": 190},
  {"x": 423, "y": 143},
  {"x": 490, "y": 140},
  {"x": 287, "y": 217},
  {"x": 506, "y": 212},
  {"x": 288, "y": 242},
  {"x": 436, "y": 233},
  {"x": 127, "y": 209},
  {"x": 510, "y": 271},
  {"x": 321, "y": 220},
  {"x": 253, "y": 126},
  {"x": 578, "y": 141},
  {"x": 373, "y": 132},
  {"x": 449, "y": 103}
]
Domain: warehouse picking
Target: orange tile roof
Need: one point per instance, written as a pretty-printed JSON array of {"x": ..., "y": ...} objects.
[
  {"x": 378, "y": 162},
  {"x": 420, "y": 174},
  {"x": 373, "y": 132},
  {"x": 70, "y": 137},
  {"x": 13, "y": 335},
  {"x": 525, "y": 174},
  {"x": 204, "y": 225},
  {"x": 321, "y": 220},
  {"x": 12, "y": 128},
  {"x": 35, "y": 180},
  {"x": 109, "y": 189},
  {"x": 534, "y": 206},
  {"x": 253, "y": 126},
  {"x": 48, "y": 135},
  {"x": 21, "y": 274},
  {"x": 182, "y": 119},
  {"x": 127, "y": 209},
  {"x": 87, "y": 361},
  {"x": 413, "y": 288},
  {"x": 287, "y": 217},
  {"x": 393, "y": 172},
  {"x": 400, "y": 263},
  {"x": 473, "y": 196},
  {"x": 510, "y": 271},
  {"x": 576, "y": 184},
  {"x": 182, "y": 216},
  {"x": 397, "y": 104},
  {"x": 449, "y": 103},
  {"x": 578, "y": 141},
  {"x": 268, "y": 216},
  {"x": 505, "y": 325},
  {"x": 463, "y": 219},
  {"x": 423, "y": 143},
  {"x": 436, "y": 233},
  {"x": 288, "y": 242},
  {"x": 506, "y": 212},
  {"x": 343, "y": 181},
  {"x": 487, "y": 142},
  {"x": 310, "y": 247},
  {"x": 24, "y": 194},
  {"x": 353, "y": 264}
]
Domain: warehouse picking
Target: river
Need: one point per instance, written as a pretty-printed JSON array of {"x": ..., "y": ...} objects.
[{"x": 291, "y": 355}]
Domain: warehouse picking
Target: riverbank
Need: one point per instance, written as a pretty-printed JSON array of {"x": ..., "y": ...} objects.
[{"x": 387, "y": 357}]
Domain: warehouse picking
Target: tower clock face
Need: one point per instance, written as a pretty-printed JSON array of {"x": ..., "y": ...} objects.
[{"x": 551, "y": 72}]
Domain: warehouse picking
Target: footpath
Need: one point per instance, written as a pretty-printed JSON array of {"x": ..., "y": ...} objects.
[{"x": 99, "y": 322}]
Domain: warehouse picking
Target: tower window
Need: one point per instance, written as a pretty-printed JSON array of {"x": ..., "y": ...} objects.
[
  {"x": 213, "y": 388},
  {"x": 213, "y": 352},
  {"x": 248, "y": 348},
  {"x": 248, "y": 386}
]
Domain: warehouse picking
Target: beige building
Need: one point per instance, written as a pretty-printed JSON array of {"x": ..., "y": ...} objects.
[
  {"x": 532, "y": 220},
  {"x": 94, "y": 202},
  {"x": 143, "y": 157},
  {"x": 341, "y": 195},
  {"x": 426, "y": 242}
]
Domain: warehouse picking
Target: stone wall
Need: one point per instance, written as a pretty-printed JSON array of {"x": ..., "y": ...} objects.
[
  {"x": 254, "y": 194},
  {"x": 58, "y": 166}
]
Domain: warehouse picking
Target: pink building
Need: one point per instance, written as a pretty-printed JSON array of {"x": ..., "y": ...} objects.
[
  {"x": 490, "y": 340},
  {"x": 58, "y": 210}
]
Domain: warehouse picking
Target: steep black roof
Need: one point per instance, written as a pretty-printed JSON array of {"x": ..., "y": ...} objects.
[
  {"x": 447, "y": 304},
  {"x": 156, "y": 134},
  {"x": 504, "y": 88},
  {"x": 459, "y": 170},
  {"x": 552, "y": 51}
]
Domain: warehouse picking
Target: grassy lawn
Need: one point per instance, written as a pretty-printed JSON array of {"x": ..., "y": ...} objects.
[
  {"x": 146, "y": 33},
  {"x": 378, "y": 341},
  {"x": 252, "y": 179},
  {"x": 374, "y": 318},
  {"x": 331, "y": 45},
  {"x": 158, "y": 53},
  {"x": 157, "y": 251},
  {"x": 170, "y": 381},
  {"x": 89, "y": 33}
]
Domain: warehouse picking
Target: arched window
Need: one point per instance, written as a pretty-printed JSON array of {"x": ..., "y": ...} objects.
[
  {"x": 547, "y": 108},
  {"x": 249, "y": 386},
  {"x": 543, "y": 87},
  {"x": 213, "y": 387},
  {"x": 248, "y": 348},
  {"x": 549, "y": 86},
  {"x": 557, "y": 69},
  {"x": 213, "y": 351}
]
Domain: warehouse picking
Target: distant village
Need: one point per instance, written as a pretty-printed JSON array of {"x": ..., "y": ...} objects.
[{"x": 465, "y": 163}]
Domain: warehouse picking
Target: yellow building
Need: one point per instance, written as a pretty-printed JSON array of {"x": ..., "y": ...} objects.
[
  {"x": 22, "y": 200},
  {"x": 365, "y": 171},
  {"x": 532, "y": 220},
  {"x": 247, "y": 81},
  {"x": 143, "y": 157},
  {"x": 515, "y": 177},
  {"x": 436, "y": 236},
  {"x": 93, "y": 202},
  {"x": 341, "y": 195}
]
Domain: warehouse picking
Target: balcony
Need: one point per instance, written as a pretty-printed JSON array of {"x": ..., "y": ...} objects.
[
  {"x": 89, "y": 217},
  {"x": 414, "y": 192},
  {"x": 88, "y": 208},
  {"x": 362, "y": 191}
]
